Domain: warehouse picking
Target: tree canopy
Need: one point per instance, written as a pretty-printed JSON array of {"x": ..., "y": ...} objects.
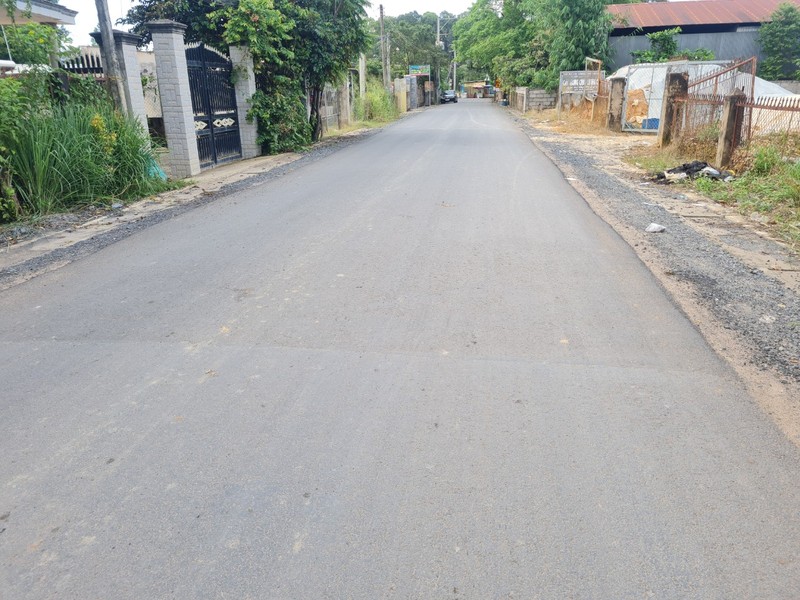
[
  {"x": 297, "y": 45},
  {"x": 780, "y": 41},
  {"x": 527, "y": 42}
]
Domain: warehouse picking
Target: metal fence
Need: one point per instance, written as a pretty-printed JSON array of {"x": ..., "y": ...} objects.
[
  {"x": 83, "y": 64},
  {"x": 645, "y": 89},
  {"x": 644, "y": 97},
  {"x": 696, "y": 115},
  {"x": 736, "y": 77},
  {"x": 701, "y": 110},
  {"x": 768, "y": 117}
]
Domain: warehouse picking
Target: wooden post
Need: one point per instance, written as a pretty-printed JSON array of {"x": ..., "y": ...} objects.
[
  {"x": 616, "y": 102},
  {"x": 384, "y": 55},
  {"x": 730, "y": 129},
  {"x": 677, "y": 86}
]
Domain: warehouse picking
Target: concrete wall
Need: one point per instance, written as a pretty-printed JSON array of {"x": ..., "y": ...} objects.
[
  {"x": 725, "y": 46},
  {"x": 792, "y": 86},
  {"x": 401, "y": 95},
  {"x": 527, "y": 99},
  {"x": 541, "y": 99}
]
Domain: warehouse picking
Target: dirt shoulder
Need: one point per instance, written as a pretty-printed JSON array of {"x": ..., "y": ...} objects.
[{"x": 738, "y": 285}]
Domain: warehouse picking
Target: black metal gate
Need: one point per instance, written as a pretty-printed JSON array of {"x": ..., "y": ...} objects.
[{"x": 216, "y": 120}]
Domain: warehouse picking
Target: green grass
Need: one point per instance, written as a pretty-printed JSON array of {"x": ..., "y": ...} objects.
[
  {"x": 78, "y": 155},
  {"x": 769, "y": 185}
]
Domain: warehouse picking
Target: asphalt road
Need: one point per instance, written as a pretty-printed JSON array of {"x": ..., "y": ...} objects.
[{"x": 420, "y": 367}]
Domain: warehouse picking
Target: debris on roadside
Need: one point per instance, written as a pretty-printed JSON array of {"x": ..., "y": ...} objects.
[
  {"x": 655, "y": 228},
  {"x": 692, "y": 170}
]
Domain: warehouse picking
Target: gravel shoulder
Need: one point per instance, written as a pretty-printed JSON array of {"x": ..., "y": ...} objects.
[{"x": 739, "y": 287}]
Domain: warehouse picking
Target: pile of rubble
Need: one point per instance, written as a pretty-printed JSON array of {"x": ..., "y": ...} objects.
[{"x": 692, "y": 170}]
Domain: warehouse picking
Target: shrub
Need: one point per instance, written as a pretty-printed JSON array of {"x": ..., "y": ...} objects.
[
  {"x": 59, "y": 150},
  {"x": 377, "y": 105},
  {"x": 664, "y": 47},
  {"x": 9, "y": 207},
  {"x": 78, "y": 155},
  {"x": 281, "y": 117}
]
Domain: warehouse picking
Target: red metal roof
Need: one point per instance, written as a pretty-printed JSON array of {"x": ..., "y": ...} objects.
[{"x": 695, "y": 12}]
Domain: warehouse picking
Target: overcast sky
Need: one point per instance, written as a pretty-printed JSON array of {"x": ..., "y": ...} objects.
[{"x": 86, "y": 21}]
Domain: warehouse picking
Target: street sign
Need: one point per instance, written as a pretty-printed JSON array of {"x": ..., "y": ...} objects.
[{"x": 419, "y": 70}]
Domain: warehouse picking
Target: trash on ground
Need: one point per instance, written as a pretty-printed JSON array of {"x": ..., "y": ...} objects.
[
  {"x": 655, "y": 228},
  {"x": 691, "y": 170}
]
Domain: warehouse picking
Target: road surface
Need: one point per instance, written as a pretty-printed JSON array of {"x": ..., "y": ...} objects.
[{"x": 418, "y": 368}]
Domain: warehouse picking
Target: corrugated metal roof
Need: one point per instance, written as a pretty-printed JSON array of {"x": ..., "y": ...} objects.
[{"x": 696, "y": 12}]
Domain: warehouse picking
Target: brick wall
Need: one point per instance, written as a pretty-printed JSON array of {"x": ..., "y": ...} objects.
[
  {"x": 541, "y": 99},
  {"x": 527, "y": 99}
]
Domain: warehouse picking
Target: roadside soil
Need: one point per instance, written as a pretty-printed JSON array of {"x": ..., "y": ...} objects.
[{"x": 733, "y": 279}]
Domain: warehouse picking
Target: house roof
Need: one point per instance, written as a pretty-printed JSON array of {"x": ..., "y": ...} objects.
[
  {"x": 41, "y": 11},
  {"x": 697, "y": 12}
]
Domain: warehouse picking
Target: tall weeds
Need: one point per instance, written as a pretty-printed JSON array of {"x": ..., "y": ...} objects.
[
  {"x": 78, "y": 152},
  {"x": 377, "y": 105}
]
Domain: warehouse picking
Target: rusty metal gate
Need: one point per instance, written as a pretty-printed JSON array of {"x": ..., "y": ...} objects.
[{"x": 216, "y": 120}]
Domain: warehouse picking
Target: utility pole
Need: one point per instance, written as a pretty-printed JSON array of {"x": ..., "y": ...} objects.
[
  {"x": 362, "y": 75},
  {"x": 388, "y": 60},
  {"x": 109, "y": 53},
  {"x": 455, "y": 69},
  {"x": 384, "y": 55}
]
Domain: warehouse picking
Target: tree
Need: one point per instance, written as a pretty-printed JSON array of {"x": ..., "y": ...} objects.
[
  {"x": 330, "y": 36},
  {"x": 580, "y": 29},
  {"x": 32, "y": 43},
  {"x": 413, "y": 42},
  {"x": 195, "y": 14},
  {"x": 664, "y": 47},
  {"x": 499, "y": 39},
  {"x": 780, "y": 41},
  {"x": 320, "y": 41},
  {"x": 270, "y": 35}
]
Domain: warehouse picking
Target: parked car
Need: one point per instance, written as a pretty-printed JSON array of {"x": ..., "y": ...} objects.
[{"x": 448, "y": 96}]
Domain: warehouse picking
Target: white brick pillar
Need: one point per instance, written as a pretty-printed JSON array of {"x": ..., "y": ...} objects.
[
  {"x": 244, "y": 82},
  {"x": 176, "y": 97},
  {"x": 125, "y": 46}
]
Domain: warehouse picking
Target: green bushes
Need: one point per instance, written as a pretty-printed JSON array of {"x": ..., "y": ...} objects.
[
  {"x": 9, "y": 206},
  {"x": 59, "y": 154},
  {"x": 281, "y": 117},
  {"x": 377, "y": 105}
]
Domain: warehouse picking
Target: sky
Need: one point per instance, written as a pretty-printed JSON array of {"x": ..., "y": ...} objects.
[{"x": 86, "y": 21}]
